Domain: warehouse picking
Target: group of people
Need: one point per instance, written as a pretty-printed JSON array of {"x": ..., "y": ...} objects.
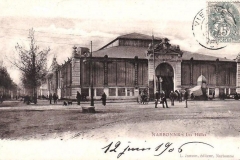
[
  {"x": 142, "y": 97},
  {"x": 103, "y": 98},
  {"x": 177, "y": 95},
  {"x": 53, "y": 97}
]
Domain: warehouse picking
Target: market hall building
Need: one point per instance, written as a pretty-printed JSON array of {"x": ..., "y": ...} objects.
[{"x": 135, "y": 62}]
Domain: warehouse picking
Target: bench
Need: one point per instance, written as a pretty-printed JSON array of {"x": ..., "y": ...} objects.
[{"x": 88, "y": 109}]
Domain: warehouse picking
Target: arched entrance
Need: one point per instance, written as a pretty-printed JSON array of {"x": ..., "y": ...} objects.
[{"x": 165, "y": 75}]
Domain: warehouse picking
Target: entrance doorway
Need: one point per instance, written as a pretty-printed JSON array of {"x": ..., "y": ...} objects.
[{"x": 165, "y": 76}]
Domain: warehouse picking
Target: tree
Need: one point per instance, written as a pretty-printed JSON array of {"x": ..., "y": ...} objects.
[
  {"x": 32, "y": 63},
  {"x": 6, "y": 83}
]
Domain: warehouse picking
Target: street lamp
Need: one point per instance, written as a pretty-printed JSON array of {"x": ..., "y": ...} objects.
[
  {"x": 91, "y": 71},
  {"x": 91, "y": 75}
]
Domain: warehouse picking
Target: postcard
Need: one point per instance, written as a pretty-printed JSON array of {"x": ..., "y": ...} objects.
[{"x": 119, "y": 79}]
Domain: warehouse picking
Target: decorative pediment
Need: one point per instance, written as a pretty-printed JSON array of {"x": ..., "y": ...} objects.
[{"x": 164, "y": 47}]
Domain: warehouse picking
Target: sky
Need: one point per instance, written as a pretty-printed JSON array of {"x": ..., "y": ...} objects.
[{"x": 61, "y": 24}]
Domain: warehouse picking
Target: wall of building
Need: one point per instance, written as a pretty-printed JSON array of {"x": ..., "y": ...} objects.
[
  {"x": 117, "y": 77},
  {"x": 64, "y": 88},
  {"x": 221, "y": 76}
]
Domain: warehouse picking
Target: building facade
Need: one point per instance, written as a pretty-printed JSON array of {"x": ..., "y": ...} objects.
[{"x": 135, "y": 62}]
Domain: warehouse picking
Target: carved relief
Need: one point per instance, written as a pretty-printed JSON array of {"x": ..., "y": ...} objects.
[{"x": 164, "y": 50}]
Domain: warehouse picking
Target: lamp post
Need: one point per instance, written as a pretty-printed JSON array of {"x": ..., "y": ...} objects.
[
  {"x": 154, "y": 71},
  {"x": 160, "y": 81},
  {"x": 91, "y": 72}
]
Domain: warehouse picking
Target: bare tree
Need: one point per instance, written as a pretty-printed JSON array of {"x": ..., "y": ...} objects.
[{"x": 32, "y": 63}]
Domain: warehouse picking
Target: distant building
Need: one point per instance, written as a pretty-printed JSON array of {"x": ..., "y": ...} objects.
[{"x": 131, "y": 63}]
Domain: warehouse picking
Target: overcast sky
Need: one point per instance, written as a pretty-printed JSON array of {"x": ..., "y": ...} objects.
[{"x": 61, "y": 24}]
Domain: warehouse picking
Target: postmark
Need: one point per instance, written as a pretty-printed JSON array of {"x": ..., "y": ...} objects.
[
  {"x": 200, "y": 34},
  {"x": 223, "y": 21}
]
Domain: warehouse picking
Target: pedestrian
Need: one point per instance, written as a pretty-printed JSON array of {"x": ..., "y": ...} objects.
[
  {"x": 104, "y": 98},
  {"x": 27, "y": 100},
  {"x": 180, "y": 94},
  {"x": 78, "y": 98},
  {"x": 157, "y": 97},
  {"x": 54, "y": 98},
  {"x": 236, "y": 96},
  {"x": 139, "y": 99},
  {"x": 50, "y": 98},
  {"x": 186, "y": 97},
  {"x": 1, "y": 99},
  {"x": 164, "y": 100},
  {"x": 142, "y": 97},
  {"x": 213, "y": 95},
  {"x": 172, "y": 97}
]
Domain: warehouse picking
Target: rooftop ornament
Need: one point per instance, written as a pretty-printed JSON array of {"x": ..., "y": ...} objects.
[{"x": 163, "y": 47}]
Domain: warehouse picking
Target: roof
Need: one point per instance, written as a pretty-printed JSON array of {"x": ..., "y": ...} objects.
[
  {"x": 121, "y": 52},
  {"x": 137, "y": 36},
  {"x": 197, "y": 56},
  {"x": 132, "y": 36},
  {"x": 132, "y": 51}
]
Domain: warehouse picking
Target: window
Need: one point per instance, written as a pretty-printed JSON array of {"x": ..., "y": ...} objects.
[
  {"x": 211, "y": 90},
  {"x": 121, "y": 91},
  {"x": 130, "y": 92},
  {"x": 121, "y": 73},
  {"x": 85, "y": 91},
  {"x": 221, "y": 90},
  {"x": 112, "y": 91},
  {"x": 99, "y": 91},
  {"x": 232, "y": 91}
]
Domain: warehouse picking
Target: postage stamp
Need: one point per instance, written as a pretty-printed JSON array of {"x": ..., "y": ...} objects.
[
  {"x": 223, "y": 21},
  {"x": 199, "y": 32}
]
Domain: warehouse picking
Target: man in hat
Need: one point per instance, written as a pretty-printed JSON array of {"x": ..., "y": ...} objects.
[
  {"x": 157, "y": 97},
  {"x": 186, "y": 97}
]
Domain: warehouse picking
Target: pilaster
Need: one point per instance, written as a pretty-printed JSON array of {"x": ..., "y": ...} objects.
[
  {"x": 177, "y": 76},
  {"x": 75, "y": 76},
  {"x": 238, "y": 77}
]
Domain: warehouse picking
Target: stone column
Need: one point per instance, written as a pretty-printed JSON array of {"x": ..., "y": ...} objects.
[
  {"x": 136, "y": 71},
  {"x": 177, "y": 75},
  {"x": 75, "y": 73},
  {"x": 151, "y": 71},
  {"x": 75, "y": 76},
  {"x": 105, "y": 66},
  {"x": 191, "y": 71},
  {"x": 59, "y": 90},
  {"x": 238, "y": 74},
  {"x": 217, "y": 61}
]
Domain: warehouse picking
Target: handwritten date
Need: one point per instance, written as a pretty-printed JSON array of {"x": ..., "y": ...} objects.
[{"x": 160, "y": 149}]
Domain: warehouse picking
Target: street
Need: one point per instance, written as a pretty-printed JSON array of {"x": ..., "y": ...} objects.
[{"x": 44, "y": 121}]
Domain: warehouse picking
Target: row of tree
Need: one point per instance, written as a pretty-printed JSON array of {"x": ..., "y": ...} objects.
[
  {"x": 6, "y": 83},
  {"x": 32, "y": 64}
]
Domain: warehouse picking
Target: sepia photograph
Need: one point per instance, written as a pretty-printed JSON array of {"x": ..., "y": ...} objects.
[{"x": 119, "y": 79}]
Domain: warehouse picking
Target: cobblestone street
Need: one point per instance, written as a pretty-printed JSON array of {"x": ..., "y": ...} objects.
[{"x": 44, "y": 121}]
